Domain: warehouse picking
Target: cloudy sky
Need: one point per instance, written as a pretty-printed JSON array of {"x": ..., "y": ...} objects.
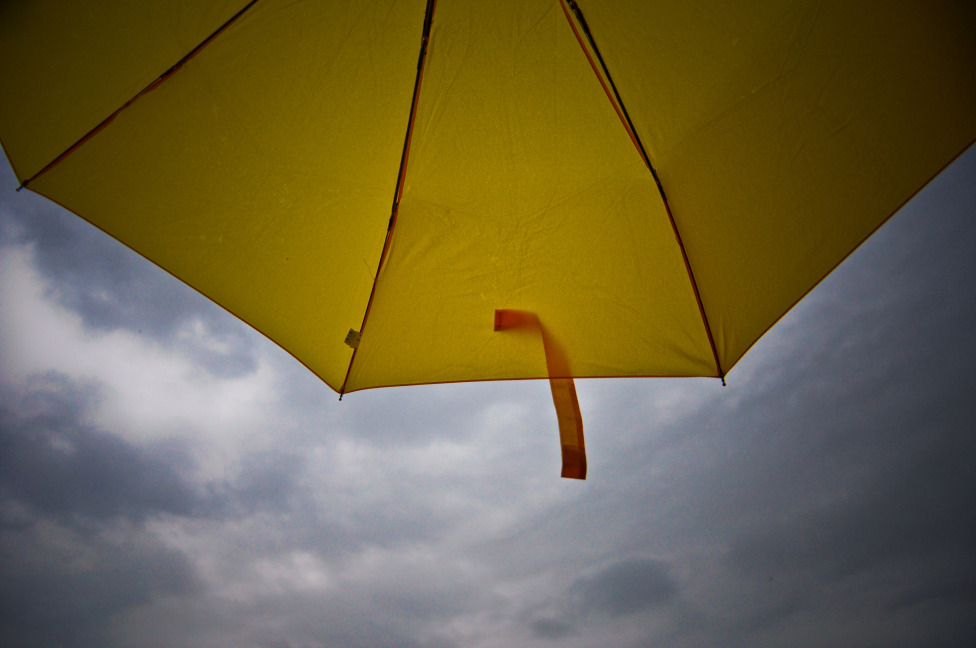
[{"x": 168, "y": 477}]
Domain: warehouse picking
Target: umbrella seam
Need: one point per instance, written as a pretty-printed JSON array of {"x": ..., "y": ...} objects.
[
  {"x": 149, "y": 88},
  {"x": 401, "y": 176},
  {"x": 618, "y": 104}
]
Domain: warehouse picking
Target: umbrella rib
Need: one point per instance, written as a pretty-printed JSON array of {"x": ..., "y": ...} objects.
[
  {"x": 149, "y": 88},
  {"x": 621, "y": 109},
  {"x": 401, "y": 175}
]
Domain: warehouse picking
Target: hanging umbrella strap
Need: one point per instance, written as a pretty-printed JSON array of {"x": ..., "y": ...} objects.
[{"x": 563, "y": 389}]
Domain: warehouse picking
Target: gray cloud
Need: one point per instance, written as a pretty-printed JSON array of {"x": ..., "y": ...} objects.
[
  {"x": 621, "y": 589},
  {"x": 910, "y": 509},
  {"x": 959, "y": 588},
  {"x": 552, "y": 629},
  {"x": 59, "y": 586},
  {"x": 59, "y": 465},
  {"x": 625, "y": 588},
  {"x": 354, "y": 617},
  {"x": 54, "y": 462}
]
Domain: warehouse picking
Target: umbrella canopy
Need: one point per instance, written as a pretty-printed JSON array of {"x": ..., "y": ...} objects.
[{"x": 375, "y": 185}]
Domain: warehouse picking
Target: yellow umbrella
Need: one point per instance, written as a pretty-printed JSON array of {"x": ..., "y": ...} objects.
[{"x": 406, "y": 192}]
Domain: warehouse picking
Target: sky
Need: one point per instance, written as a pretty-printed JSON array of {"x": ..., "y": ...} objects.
[{"x": 169, "y": 477}]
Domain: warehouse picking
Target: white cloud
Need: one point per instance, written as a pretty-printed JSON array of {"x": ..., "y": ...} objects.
[{"x": 148, "y": 392}]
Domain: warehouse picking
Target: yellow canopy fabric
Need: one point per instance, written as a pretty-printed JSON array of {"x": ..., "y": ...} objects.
[{"x": 253, "y": 149}]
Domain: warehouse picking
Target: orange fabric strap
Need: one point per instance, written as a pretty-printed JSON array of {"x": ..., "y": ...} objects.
[{"x": 563, "y": 390}]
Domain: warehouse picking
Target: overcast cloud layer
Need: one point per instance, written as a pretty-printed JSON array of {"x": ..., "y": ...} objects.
[{"x": 170, "y": 478}]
